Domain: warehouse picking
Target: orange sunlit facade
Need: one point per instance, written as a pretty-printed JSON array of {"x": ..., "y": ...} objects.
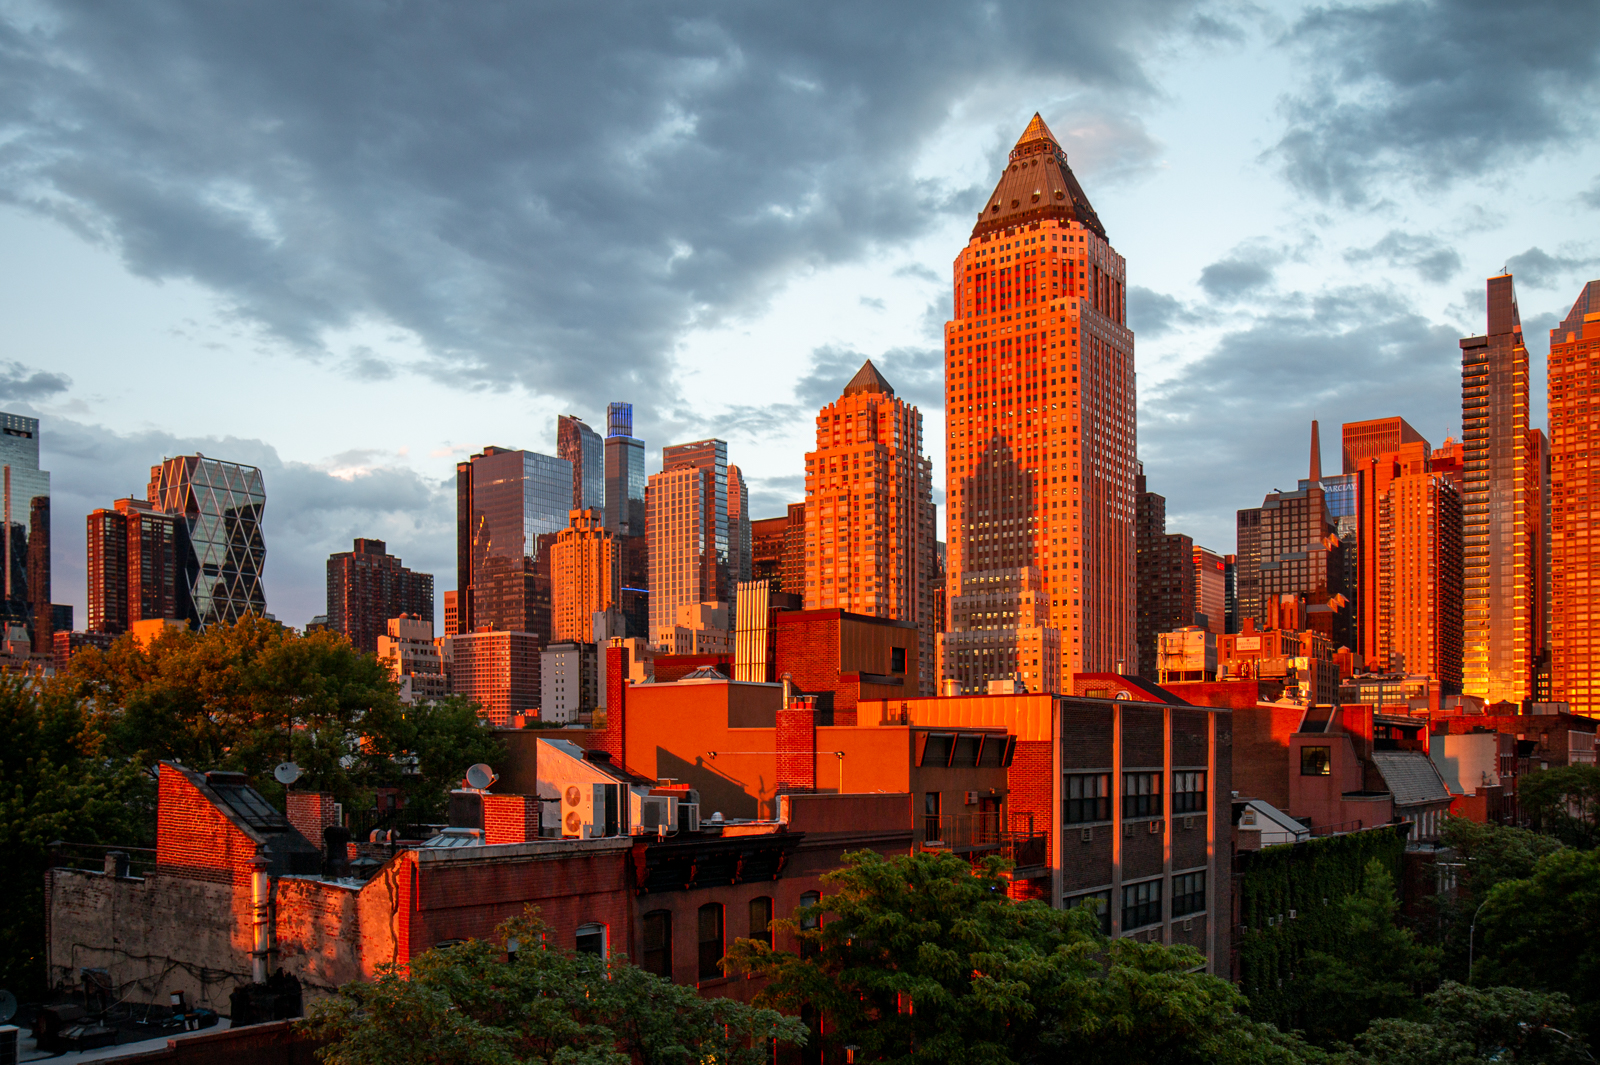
[
  {"x": 870, "y": 521},
  {"x": 1575, "y": 505},
  {"x": 585, "y": 576},
  {"x": 1039, "y": 400}
]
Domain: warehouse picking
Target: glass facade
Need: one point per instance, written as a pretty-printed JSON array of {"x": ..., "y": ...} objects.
[
  {"x": 26, "y": 503},
  {"x": 509, "y": 505},
  {"x": 625, "y": 483},
  {"x": 581, "y": 446},
  {"x": 221, "y": 554}
]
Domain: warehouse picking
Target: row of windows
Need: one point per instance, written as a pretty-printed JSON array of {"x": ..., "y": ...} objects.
[
  {"x": 1141, "y": 902},
  {"x": 710, "y": 935},
  {"x": 1088, "y": 795}
]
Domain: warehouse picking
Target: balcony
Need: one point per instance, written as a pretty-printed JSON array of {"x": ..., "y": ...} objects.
[{"x": 988, "y": 833}]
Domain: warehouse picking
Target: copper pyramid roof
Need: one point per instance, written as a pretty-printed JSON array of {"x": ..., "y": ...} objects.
[
  {"x": 868, "y": 379},
  {"x": 1037, "y": 184}
]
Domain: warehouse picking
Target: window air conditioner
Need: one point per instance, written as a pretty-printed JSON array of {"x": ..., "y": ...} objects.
[
  {"x": 1188, "y": 822},
  {"x": 1086, "y": 834},
  {"x": 1188, "y": 924},
  {"x": 688, "y": 817},
  {"x": 1127, "y": 828},
  {"x": 1155, "y": 826}
]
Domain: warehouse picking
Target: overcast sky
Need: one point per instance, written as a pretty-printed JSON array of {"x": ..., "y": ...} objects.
[{"x": 353, "y": 242}]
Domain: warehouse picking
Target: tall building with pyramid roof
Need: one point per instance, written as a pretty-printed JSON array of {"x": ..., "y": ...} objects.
[
  {"x": 870, "y": 519},
  {"x": 1041, "y": 437}
]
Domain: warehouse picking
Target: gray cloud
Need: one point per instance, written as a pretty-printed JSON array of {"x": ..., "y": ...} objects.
[
  {"x": 1431, "y": 258},
  {"x": 1590, "y": 197},
  {"x": 19, "y": 382},
  {"x": 1537, "y": 268},
  {"x": 543, "y": 197},
  {"x": 1152, "y": 313},
  {"x": 1435, "y": 91},
  {"x": 1229, "y": 279},
  {"x": 310, "y": 511}
]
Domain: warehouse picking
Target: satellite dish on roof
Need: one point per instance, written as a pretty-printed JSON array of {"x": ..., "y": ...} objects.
[
  {"x": 8, "y": 1007},
  {"x": 286, "y": 773},
  {"x": 480, "y": 776}
]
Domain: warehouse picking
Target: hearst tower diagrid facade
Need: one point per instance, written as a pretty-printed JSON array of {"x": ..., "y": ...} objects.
[{"x": 1039, "y": 394}]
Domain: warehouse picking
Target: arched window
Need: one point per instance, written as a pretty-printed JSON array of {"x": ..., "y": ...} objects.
[
  {"x": 658, "y": 943},
  {"x": 711, "y": 941}
]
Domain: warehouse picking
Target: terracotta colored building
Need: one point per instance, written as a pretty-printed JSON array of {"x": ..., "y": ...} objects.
[
  {"x": 685, "y": 515},
  {"x": 1504, "y": 562},
  {"x": 133, "y": 565},
  {"x": 367, "y": 586},
  {"x": 768, "y": 537},
  {"x": 1575, "y": 573},
  {"x": 585, "y": 576},
  {"x": 498, "y": 670},
  {"x": 1361, "y": 441},
  {"x": 869, "y": 512},
  {"x": 1040, "y": 429}
]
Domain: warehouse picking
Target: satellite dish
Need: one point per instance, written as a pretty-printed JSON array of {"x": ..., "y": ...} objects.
[
  {"x": 8, "y": 1007},
  {"x": 286, "y": 773},
  {"x": 480, "y": 776}
]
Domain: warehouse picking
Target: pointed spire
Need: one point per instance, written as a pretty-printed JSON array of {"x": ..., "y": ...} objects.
[
  {"x": 1037, "y": 184},
  {"x": 1036, "y": 131},
  {"x": 868, "y": 379},
  {"x": 1316, "y": 453}
]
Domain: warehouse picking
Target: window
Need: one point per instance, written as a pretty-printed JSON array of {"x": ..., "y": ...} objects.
[
  {"x": 1088, "y": 798},
  {"x": 1315, "y": 762},
  {"x": 1141, "y": 904},
  {"x": 1188, "y": 893},
  {"x": 931, "y": 821},
  {"x": 761, "y": 919},
  {"x": 592, "y": 939},
  {"x": 1141, "y": 795},
  {"x": 897, "y": 660},
  {"x": 1101, "y": 902},
  {"x": 711, "y": 941},
  {"x": 810, "y": 923},
  {"x": 658, "y": 943},
  {"x": 1189, "y": 792}
]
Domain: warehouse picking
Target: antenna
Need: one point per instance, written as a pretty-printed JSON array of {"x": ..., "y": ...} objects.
[
  {"x": 480, "y": 776},
  {"x": 8, "y": 1007},
  {"x": 286, "y": 773}
]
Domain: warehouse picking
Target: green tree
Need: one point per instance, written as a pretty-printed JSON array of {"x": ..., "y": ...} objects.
[
  {"x": 471, "y": 1005},
  {"x": 55, "y": 784},
  {"x": 1564, "y": 802},
  {"x": 1469, "y": 1026},
  {"x": 1540, "y": 933},
  {"x": 1487, "y": 855},
  {"x": 922, "y": 958},
  {"x": 1378, "y": 970}
]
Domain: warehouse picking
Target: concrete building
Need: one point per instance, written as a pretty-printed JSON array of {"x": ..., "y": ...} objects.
[
  {"x": 869, "y": 511},
  {"x": 132, "y": 565},
  {"x": 25, "y": 607},
  {"x": 221, "y": 554},
  {"x": 569, "y": 682},
  {"x": 1575, "y": 572},
  {"x": 1211, "y": 589},
  {"x": 1041, "y": 433},
  {"x": 414, "y": 658},
  {"x": 497, "y": 669},
  {"x": 715, "y": 555},
  {"x": 1505, "y": 572},
  {"x": 698, "y": 629},
  {"x": 368, "y": 586},
  {"x": 1165, "y": 575},
  {"x": 739, "y": 546},
  {"x": 585, "y": 576}
]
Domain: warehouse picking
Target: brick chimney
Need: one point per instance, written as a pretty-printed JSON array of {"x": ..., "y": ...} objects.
[
  {"x": 615, "y": 740},
  {"x": 797, "y": 741},
  {"x": 310, "y": 812}
]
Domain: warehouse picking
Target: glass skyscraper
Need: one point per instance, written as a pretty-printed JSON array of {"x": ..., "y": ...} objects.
[
  {"x": 625, "y": 479},
  {"x": 581, "y": 446},
  {"x": 509, "y": 507},
  {"x": 26, "y": 502},
  {"x": 221, "y": 555}
]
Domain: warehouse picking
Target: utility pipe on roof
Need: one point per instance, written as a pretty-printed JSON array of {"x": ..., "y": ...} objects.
[{"x": 261, "y": 892}]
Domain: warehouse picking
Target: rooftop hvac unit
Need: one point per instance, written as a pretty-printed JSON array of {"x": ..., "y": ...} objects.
[
  {"x": 577, "y": 810},
  {"x": 688, "y": 817},
  {"x": 655, "y": 813}
]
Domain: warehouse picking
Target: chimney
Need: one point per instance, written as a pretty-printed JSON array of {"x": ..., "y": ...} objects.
[
  {"x": 1316, "y": 453},
  {"x": 615, "y": 740},
  {"x": 797, "y": 743}
]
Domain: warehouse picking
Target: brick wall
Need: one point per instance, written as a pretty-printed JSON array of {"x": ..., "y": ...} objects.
[
  {"x": 797, "y": 745},
  {"x": 510, "y": 818},
  {"x": 310, "y": 812},
  {"x": 193, "y": 838},
  {"x": 1030, "y": 783},
  {"x": 615, "y": 740}
]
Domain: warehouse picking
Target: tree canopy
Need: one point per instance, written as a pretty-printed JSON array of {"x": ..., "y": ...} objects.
[{"x": 1564, "y": 802}]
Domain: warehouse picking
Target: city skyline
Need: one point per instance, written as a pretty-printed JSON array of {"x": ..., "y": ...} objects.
[{"x": 1343, "y": 232}]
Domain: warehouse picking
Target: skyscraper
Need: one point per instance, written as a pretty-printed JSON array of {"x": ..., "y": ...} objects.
[
  {"x": 768, "y": 536},
  {"x": 1503, "y": 559},
  {"x": 1360, "y": 441},
  {"x": 1574, "y": 515},
  {"x": 221, "y": 555},
  {"x": 1039, "y": 400},
  {"x": 509, "y": 507},
  {"x": 1210, "y": 590},
  {"x": 581, "y": 446},
  {"x": 1165, "y": 575},
  {"x": 1416, "y": 557},
  {"x": 133, "y": 569},
  {"x": 367, "y": 587},
  {"x": 712, "y": 457},
  {"x": 683, "y": 563},
  {"x": 739, "y": 546},
  {"x": 26, "y": 502},
  {"x": 585, "y": 576},
  {"x": 1371, "y": 455},
  {"x": 625, "y": 478},
  {"x": 869, "y": 512}
]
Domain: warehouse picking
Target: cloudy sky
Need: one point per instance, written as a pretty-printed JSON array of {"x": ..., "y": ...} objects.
[{"x": 352, "y": 242}]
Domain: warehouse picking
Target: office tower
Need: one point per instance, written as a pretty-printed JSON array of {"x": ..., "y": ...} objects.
[
  {"x": 869, "y": 512},
  {"x": 1503, "y": 563},
  {"x": 581, "y": 446},
  {"x": 498, "y": 670},
  {"x": 1210, "y": 590},
  {"x": 133, "y": 571},
  {"x": 1449, "y": 462},
  {"x": 624, "y": 461},
  {"x": 26, "y": 502},
  {"x": 1574, "y": 440},
  {"x": 217, "y": 506},
  {"x": 1246, "y": 567},
  {"x": 367, "y": 587},
  {"x": 585, "y": 576},
  {"x": 1039, "y": 400},
  {"x": 1230, "y": 578},
  {"x": 509, "y": 507},
  {"x": 681, "y": 544},
  {"x": 712, "y": 457},
  {"x": 768, "y": 537},
  {"x": 1164, "y": 575},
  {"x": 738, "y": 528},
  {"x": 794, "y": 551},
  {"x": 1360, "y": 441},
  {"x": 450, "y": 615},
  {"x": 1289, "y": 546}
]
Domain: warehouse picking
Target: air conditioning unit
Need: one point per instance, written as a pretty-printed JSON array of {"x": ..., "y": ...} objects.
[
  {"x": 1188, "y": 924},
  {"x": 1155, "y": 826},
  {"x": 577, "y": 810},
  {"x": 1086, "y": 834},
  {"x": 1188, "y": 822},
  {"x": 972, "y": 798},
  {"x": 688, "y": 817},
  {"x": 655, "y": 813},
  {"x": 1127, "y": 828}
]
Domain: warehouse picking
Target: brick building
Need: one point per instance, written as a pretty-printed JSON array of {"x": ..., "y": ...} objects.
[
  {"x": 367, "y": 586},
  {"x": 132, "y": 565},
  {"x": 1165, "y": 575}
]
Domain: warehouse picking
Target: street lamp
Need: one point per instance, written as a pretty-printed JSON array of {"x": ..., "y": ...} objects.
[{"x": 1472, "y": 930}]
